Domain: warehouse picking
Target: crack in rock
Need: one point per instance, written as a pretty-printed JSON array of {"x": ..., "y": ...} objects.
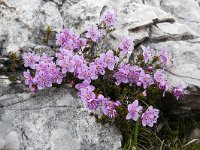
[
  {"x": 6, "y": 5},
  {"x": 182, "y": 75},
  {"x": 39, "y": 108},
  {"x": 171, "y": 38},
  {"x": 145, "y": 24}
]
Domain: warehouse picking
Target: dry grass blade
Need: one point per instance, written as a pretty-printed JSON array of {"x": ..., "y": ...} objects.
[{"x": 190, "y": 142}]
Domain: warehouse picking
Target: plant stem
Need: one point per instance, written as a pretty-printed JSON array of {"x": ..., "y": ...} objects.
[
  {"x": 130, "y": 144},
  {"x": 136, "y": 132},
  {"x": 161, "y": 146}
]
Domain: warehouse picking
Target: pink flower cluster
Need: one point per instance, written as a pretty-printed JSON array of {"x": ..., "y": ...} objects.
[
  {"x": 109, "y": 17},
  {"x": 30, "y": 59},
  {"x": 149, "y": 117},
  {"x": 146, "y": 54},
  {"x": 69, "y": 40},
  {"x": 163, "y": 56},
  {"x": 161, "y": 79},
  {"x": 91, "y": 101},
  {"x": 46, "y": 71},
  {"x": 94, "y": 33},
  {"x": 126, "y": 45},
  {"x": 42, "y": 65},
  {"x": 133, "y": 74},
  {"x": 74, "y": 63}
]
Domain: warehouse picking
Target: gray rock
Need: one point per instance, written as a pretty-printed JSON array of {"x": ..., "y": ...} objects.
[
  {"x": 181, "y": 9},
  {"x": 40, "y": 49},
  {"x": 12, "y": 141},
  {"x": 185, "y": 59},
  {"x": 61, "y": 139},
  {"x": 23, "y": 23},
  {"x": 175, "y": 31},
  {"x": 52, "y": 119},
  {"x": 185, "y": 12},
  {"x": 51, "y": 17},
  {"x": 131, "y": 18},
  {"x": 2, "y": 143},
  {"x": 195, "y": 134},
  {"x": 18, "y": 21}
]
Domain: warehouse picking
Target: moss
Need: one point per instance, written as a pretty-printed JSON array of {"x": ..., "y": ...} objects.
[
  {"x": 47, "y": 36},
  {"x": 12, "y": 67}
]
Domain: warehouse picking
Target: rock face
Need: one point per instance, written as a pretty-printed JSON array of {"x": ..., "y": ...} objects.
[
  {"x": 54, "y": 119},
  {"x": 51, "y": 119}
]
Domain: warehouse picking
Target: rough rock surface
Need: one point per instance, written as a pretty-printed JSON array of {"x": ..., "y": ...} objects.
[
  {"x": 51, "y": 119},
  {"x": 37, "y": 121}
]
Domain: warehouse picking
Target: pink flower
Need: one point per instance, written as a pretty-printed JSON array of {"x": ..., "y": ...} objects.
[
  {"x": 126, "y": 45},
  {"x": 46, "y": 59},
  {"x": 66, "y": 64},
  {"x": 42, "y": 80},
  {"x": 92, "y": 104},
  {"x": 87, "y": 73},
  {"x": 30, "y": 59},
  {"x": 108, "y": 106},
  {"x": 146, "y": 54},
  {"x": 94, "y": 33},
  {"x": 100, "y": 65},
  {"x": 109, "y": 59},
  {"x": 133, "y": 111},
  {"x": 161, "y": 79},
  {"x": 101, "y": 98},
  {"x": 164, "y": 56},
  {"x": 46, "y": 73},
  {"x": 150, "y": 68},
  {"x": 29, "y": 80},
  {"x": 87, "y": 94},
  {"x": 134, "y": 74},
  {"x": 144, "y": 93},
  {"x": 121, "y": 75},
  {"x": 163, "y": 86},
  {"x": 41, "y": 67},
  {"x": 146, "y": 80},
  {"x": 69, "y": 40},
  {"x": 150, "y": 116},
  {"x": 83, "y": 85},
  {"x": 57, "y": 76},
  {"x": 160, "y": 76},
  {"x": 178, "y": 91},
  {"x": 78, "y": 62},
  {"x": 109, "y": 17},
  {"x": 81, "y": 42}
]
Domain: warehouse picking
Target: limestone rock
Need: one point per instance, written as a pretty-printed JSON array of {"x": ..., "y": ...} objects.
[
  {"x": 185, "y": 11},
  {"x": 12, "y": 141},
  {"x": 52, "y": 119},
  {"x": 51, "y": 17},
  {"x": 175, "y": 31},
  {"x": 185, "y": 60},
  {"x": 2, "y": 143},
  {"x": 132, "y": 19},
  {"x": 23, "y": 23},
  {"x": 195, "y": 134}
]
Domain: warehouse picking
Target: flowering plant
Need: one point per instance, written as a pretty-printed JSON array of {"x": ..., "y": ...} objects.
[{"x": 105, "y": 82}]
